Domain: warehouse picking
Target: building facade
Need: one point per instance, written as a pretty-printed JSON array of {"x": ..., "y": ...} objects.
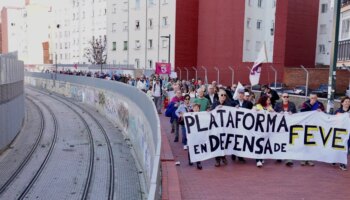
[
  {"x": 344, "y": 35},
  {"x": 75, "y": 24},
  {"x": 18, "y": 28},
  {"x": 138, "y": 32},
  {"x": 324, "y": 33}
]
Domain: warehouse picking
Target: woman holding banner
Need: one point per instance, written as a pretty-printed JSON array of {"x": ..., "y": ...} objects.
[
  {"x": 344, "y": 108},
  {"x": 264, "y": 103},
  {"x": 223, "y": 101},
  {"x": 183, "y": 108}
]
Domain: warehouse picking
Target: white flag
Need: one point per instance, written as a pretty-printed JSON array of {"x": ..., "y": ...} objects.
[
  {"x": 239, "y": 87},
  {"x": 255, "y": 72}
]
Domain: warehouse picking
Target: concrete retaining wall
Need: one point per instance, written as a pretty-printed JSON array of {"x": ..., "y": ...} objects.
[
  {"x": 123, "y": 105},
  {"x": 11, "y": 99}
]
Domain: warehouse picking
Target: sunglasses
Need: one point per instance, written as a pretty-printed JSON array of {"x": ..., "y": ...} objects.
[
  {"x": 223, "y": 95},
  {"x": 286, "y": 97}
]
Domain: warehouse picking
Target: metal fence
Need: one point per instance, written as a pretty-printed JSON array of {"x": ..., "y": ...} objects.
[{"x": 11, "y": 98}]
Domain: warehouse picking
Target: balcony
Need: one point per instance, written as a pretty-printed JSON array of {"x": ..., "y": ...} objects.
[
  {"x": 344, "y": 50},
  {"x": 345, "y": 3}
]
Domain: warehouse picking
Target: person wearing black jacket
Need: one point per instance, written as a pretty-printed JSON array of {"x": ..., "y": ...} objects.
[
  {"x": 212, "y": 96},
  {"x": 223, "y": 101},
  {"x": 241, "y": 103},
  {"x": 270, "y": 93}
]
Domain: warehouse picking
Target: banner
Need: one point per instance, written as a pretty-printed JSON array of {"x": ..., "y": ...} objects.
[
  {"x": 263, "y": 135},
  {"x": 163, "y": 68}
]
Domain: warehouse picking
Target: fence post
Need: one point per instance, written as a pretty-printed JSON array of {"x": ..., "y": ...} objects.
[
  {"x": 307, "y": 80},
  {"x": 180, "y": 73},
  {"x": 195, "y": 69},
  {"x": 218, "y": 73},
  {"x": 206, "y": 75},
  {"x": 233, "y": 74},
  {"x": 186, "y": 73},
  {"x": 275, "y": 75}
]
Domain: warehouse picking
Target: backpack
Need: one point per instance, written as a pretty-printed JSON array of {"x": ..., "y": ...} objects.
[{"x": 170, "y": 109}]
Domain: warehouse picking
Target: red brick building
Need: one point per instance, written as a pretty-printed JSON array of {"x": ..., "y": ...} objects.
[{"x": 212, "y": 34}]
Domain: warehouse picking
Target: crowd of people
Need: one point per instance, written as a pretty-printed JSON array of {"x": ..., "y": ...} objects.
[{"x": 179, "y": 97}]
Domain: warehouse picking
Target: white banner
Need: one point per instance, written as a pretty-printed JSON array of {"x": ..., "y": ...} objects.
[{"x": 263, "y": 135}]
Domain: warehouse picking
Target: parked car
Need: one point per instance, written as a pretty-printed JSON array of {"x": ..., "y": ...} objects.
[
  {"x": 256, "y": 87},
  {"x": 279, "y": 87},
  {"x": 321, "y": 91},
  {"x": 301, "y": 90}
]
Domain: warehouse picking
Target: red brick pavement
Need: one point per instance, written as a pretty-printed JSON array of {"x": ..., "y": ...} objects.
[{"x": 246, "y": 181}]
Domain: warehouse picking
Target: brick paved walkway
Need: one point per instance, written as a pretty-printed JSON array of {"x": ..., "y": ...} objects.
[{"x": 246, "y": 181}]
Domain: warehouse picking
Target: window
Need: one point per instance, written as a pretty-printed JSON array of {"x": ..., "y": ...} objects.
[
  {"x": 250, "y": 2},
  {"x": 114, "y": 46},
  {"x": 323, "y": 29},
  {"x": 165, "y": 2},
  {"x": 137, "y": 44},
  {"x": 125, "y": 6},
  {"x": 257, "y": 46},
  {"x": 137, "y": 4},
  {"x": 114, "y": 27},
  {"x": 345, "y": 28},
  {"x": 249, "y": 23},
  {"x": 150, "y": 23},
  {"x": 137, "y": 25},
  {"x": 150, "y": 44},
  {"x": 260, "y": 3},
  {"x": 125, "y": 47},
  {"x": 324, "y": 8},
  {"x": 247, "y": 44},
  {"x": 259, "y": 24},
  {"x": 114, "y": 8},
  {"x": 150, "y": 63},
  {"x": 165, "y": 21},
  {"x": 151, "y": 3},
  {"x": 83, "y": 15},
  {"x": 137, "y": 63},
  {"x": 125, "y": 25},
  {"x": 164, "y": 43},
  {"x": 321, "y": 49},
  {"x": 274, "y": 4}
]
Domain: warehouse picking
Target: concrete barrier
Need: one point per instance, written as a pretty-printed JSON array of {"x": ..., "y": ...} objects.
[
  {"x": 126, "y": 107},
  {"x": 11, "y": 99}
]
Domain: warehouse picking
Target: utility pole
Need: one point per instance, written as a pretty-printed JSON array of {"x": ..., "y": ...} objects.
[{"x": 334, "y": 58}]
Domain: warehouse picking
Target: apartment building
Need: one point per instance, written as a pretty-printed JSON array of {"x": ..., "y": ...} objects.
[{"x": 138, "y": 32}]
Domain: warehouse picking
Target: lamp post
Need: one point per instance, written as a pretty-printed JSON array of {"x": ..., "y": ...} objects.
[
  {"x": 169, "y": 38},
  {"x": 56, "y": 66},
  {"x": 334, "y": 57}
]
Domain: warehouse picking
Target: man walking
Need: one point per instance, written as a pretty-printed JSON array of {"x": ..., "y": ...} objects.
[{"x": 157, "y": 95}]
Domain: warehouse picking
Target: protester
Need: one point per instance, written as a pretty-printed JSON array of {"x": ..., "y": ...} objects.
[
  {"x": 183, "y": 108},
  {"x": 264, "y": 103},
  {"x": 157, "y": 94},
  {"x": 223, "y": 101},
  {"x": 201, "y": 100},
  {"x": 141, "y": 84},
  {"x": 212, "y": 96},
  {"x": 248, "y": 97},
  {"x": 266, "y": 90},
  {"x": 241, "y": 103},
  {"x": 311, "y": 105},
  {"x": 177, "y": 99},
  {"x": 344, "y": 108},
  {"x": 196, "y": 108},
  {"x": 289, "y": 107}
]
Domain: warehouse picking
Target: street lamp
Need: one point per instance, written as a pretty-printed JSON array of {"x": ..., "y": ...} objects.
[{"x": 169, "y": 37}]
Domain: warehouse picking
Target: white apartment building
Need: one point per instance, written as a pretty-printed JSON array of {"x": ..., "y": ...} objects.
[
  {"x": 23, "y": 33},
  {"x": 259, "y": 28},
  {"x": 75, "y": 24},
  {"x": 324, "y": 32},
  {"x": 136, "y": 30},
  {"x": 344, "y": 36}
]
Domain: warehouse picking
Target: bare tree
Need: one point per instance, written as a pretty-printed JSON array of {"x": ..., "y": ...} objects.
[{"x": 96, "y": 53}]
